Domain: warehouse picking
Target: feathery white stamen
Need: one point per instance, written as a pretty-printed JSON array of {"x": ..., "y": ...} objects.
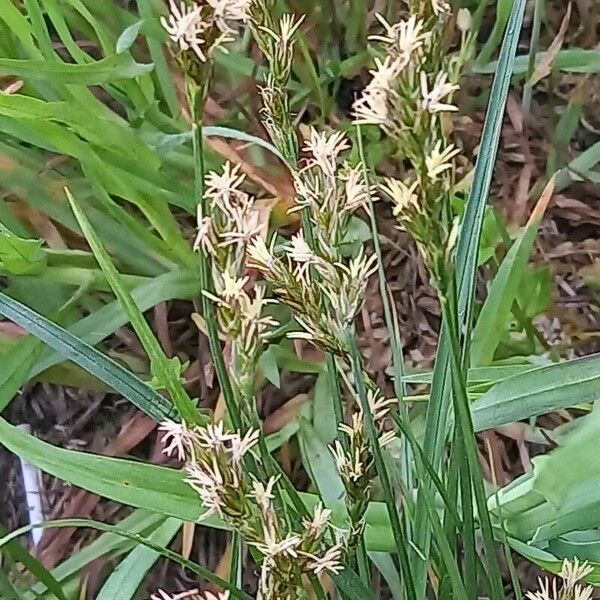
[
  {"x": 439, "y": 160},
  {"x": 432, "y": 99}
]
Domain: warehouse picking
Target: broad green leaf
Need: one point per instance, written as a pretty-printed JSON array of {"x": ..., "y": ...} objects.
[
  {"x": 538, "y": 391},
  {"x": 166, "y": 372},
  {"x": 111, "y": 68},
  {"x": 285, "y": 434},
  {"x": 267, "y": 363},
  {"x": 324, "y": 421},
  {"x": 129, "y": 574},
  {"x": 128, "y": 37},
  {"x": 105, "y": 131},
  {"x": 320, "y": 464},
  {"x": 87, "y": 357},
  {"x": 20, "y": 256},
  {"x": 560, "y": 496}
]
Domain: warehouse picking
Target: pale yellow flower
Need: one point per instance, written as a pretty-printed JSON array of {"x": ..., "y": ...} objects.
[
  {"x": 403, "y": 196},
  {"x": 439, "y": 160},
  {"x": 432, "y": 99},
  {"x": 185, "y": 27}
]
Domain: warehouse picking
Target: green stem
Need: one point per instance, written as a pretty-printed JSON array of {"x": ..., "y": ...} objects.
[
  {"x": 397, "y": 529},
  {"x": 197, "y": 96},
  {"x": 394, "y": 333}
]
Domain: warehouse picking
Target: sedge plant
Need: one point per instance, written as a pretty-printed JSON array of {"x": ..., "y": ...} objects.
[{"x": 409, "y": 98}]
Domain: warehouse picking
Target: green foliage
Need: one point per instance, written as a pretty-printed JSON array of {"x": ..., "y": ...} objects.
[{"x": 104, "y": 120}]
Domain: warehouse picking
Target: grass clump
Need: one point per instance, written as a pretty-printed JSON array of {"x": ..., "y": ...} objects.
[{"x": 410, "y": 496}]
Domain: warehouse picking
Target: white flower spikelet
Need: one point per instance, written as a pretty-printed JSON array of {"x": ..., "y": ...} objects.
[
  {"x": 162, "y": 595},
  {"x": 192, "y": 27},
  {"x": 573, "y": 571},
  {"x": 440, "y": 7},
  {"x": 372, "y": 107},
  {"x": 177, "y": 438},
  {"x": 432, "y": 98},
  {"x": 403, "y": 196},
  {"x": 404, "y": 38},
  {"x": 325, "y": 148},
  {"x": 319, "y": 522},
  {"x": 185, "y": 27},
  {"x": 439, "y": 160},
  {"x": 329, "y": 562}
]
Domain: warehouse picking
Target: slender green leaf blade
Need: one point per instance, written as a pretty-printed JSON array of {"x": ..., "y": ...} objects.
[
  {"x": 129, "y": 574},
  {"x": 90, "y": 359},
  {"x": 140, "y": 539},
  {"x": 502, "y": 293},
  {"x": 166, "y": 372},
  {"x": 538, "y": 391},
  {"x": 20, "y": 554},
  {"x": 111, "y": 68}
]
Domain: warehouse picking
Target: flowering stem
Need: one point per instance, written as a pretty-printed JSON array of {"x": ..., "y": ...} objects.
[
  {"x": 197, "y": 97},
  {"x": 397, "y": 529},
  {"x": 390, "y": 322}
]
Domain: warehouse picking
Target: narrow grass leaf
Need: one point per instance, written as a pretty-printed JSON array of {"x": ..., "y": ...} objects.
[
  {"x": 7, "y": 590},
  {"x": 130, "y": 572},
  {"x": 180, "y": 284},
  {"x": 571, "y": 60},
  {"x": 111, "y": 68},
  {"x": 352, "y": 587},
  {"x": 503, "y": 11},
  {"x": 19, "y": 554},
  {"x": 140, "y": 539},
  {"x": 166, "y": 372},
  {"x": 438, "y": 410},
  {"x": 390, "y": 500},
  {"x": 385, "y": 565},
  {"x": 505, "y": 288},
  {"x": 107, "y": 545},
  {"x": 538, "y": 391},
  {"x": 90, "y": 359},
  {"x": 16, "y": 368}
]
